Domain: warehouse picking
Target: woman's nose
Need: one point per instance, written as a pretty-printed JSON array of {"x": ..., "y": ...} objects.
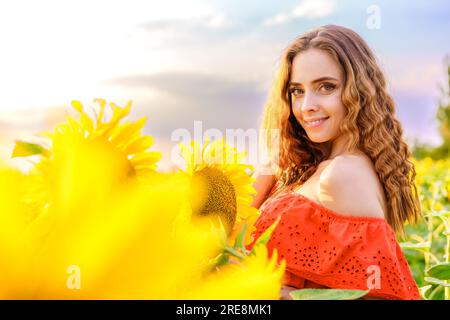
[{"x": 309, "y": 102}]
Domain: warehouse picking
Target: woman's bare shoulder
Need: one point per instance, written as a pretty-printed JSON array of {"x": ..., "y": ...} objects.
[{"x": 350, "y": 185}]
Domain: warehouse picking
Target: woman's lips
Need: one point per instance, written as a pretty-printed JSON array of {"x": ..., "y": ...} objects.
[{"x": 316, "y": 123}]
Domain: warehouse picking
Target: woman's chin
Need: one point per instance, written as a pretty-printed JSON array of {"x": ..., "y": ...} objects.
[{"x": 318, "y": 139}]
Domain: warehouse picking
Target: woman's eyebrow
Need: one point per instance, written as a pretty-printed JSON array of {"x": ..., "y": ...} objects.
[{"x": 314, "y": 81}]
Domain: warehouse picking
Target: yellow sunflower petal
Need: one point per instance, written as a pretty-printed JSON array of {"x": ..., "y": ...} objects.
[
  {"x": 140, "y": 144},
  {"x": 102, "y": 104},
  {"x": 128, "y": 131},
  {"x": 145, "y": 158}
]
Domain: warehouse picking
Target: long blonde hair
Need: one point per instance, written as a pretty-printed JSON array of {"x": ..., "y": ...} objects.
[{"x": 370, "y": 122}]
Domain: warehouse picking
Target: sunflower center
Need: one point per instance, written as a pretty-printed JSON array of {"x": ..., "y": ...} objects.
[{"x": 213, "y": 194}]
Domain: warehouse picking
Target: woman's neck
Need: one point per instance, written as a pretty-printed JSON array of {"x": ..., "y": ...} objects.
[{"x": 339, "y": 147}]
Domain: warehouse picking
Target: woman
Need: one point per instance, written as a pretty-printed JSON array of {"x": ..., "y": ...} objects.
[{"x": 344, "y": 182}]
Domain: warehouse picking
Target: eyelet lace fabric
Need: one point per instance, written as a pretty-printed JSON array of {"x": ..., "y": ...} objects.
[{"x": 323, "y": 248}]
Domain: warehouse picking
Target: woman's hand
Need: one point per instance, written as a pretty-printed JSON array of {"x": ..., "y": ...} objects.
[
  {"x": 263, "y": 185},
  {"x": 284, "y": 294}
]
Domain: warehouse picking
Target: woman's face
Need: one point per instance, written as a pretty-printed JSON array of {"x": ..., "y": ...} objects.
[{"x": 316, "y": 86}]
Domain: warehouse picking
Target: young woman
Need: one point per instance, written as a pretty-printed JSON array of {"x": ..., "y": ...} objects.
[{"x": 344, "y": 183}]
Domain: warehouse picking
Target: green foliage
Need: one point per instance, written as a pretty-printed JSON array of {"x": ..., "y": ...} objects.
[
  {"x": 440, "y": 271},
  {"x": 427, "y": 244},
  {"x": 238, "y": 250},
  {"x": 327, "y": 294},
  {"x": 25, "y": 149},
  {"x": 264, "y": 238}
]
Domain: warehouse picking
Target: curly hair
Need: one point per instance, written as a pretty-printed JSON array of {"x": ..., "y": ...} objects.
[{"x": 370, "y": 123}]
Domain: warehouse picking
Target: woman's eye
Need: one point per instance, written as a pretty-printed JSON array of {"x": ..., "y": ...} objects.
[
  {"x": 328, "y": 87},
  {"x": 296, "y": 91}
]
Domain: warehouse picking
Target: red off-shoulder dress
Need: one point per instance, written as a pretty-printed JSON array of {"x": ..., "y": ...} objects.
[{"x": 325, "y": 249}]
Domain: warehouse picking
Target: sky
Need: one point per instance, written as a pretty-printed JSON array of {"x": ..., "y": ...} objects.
[{"x": 213, "y": 62}]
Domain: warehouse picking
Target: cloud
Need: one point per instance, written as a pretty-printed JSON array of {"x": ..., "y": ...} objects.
[
  {"x": 309, "y": 9},
  {"x": 278, "y": 19},
  {"x": 207, "y": 20},
  {"x": 184, "y": 97},
  {"x": 314, "y": 9},
  {"x": 186, "y": 84},
  {"x": 219, "y": 21},
  {"x": 195, "y": 103},
  {"x": 184, "y": 32}
]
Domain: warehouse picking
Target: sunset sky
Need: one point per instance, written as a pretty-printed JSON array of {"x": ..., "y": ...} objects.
[{"x": 213, "y": 61}]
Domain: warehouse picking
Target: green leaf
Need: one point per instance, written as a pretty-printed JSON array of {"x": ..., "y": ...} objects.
[
  {"x": 234, "y": 252},
  {"x": 437, "y": 281},
  {"x": 420, "y": 246},
  {"x": 423, "y": 290},
  {"x": 221, "y": 232},
  {"x": 440, "y": 271},
  {"x": 223, "y": 259},
  {"x": 25, "y": 149},
  {"x": 264, "y": 238},
  {"x": 327, "y": 294},
  {"x": 239, "y": 242}
]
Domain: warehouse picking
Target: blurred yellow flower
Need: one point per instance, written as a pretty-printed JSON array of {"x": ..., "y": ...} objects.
[
  {"x": 125, "y": 139},
  {"x": 123, "y": 149},
  {"x": 14, "y": 255},
  {"x": 101, "y": 239},
  {"x": 257, "y": 277},
  {"x": 94, "y": 220}
]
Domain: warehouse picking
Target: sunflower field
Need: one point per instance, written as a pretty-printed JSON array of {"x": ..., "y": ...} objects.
[
  {"x": 427, "y": 244},
  {"x": 95, "y": 219}
]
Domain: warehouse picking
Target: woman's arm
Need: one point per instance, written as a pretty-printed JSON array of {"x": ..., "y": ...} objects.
[{"x": 263, "y": 185}]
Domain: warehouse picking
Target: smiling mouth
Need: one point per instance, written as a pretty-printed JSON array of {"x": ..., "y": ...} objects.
[{"x": 316, "y": 123}]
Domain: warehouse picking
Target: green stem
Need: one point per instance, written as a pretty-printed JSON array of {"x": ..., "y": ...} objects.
[
  {"x": 234, "y": 252},
  {"x": 430, "y": 255},
  {"x": 430, "y": 230},
  {"x": 439, "y": 230},
  {"x": 430, "y": 239},
  {"x": 447, "y": 259},
  {"x": 434, "y": 292}
]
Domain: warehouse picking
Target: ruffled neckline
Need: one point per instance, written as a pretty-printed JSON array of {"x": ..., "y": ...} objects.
[{"x": 322, "y": 208}]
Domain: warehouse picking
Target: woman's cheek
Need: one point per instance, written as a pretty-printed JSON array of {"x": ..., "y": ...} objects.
[
  {"x": 334, "y": 107},
  {"x": 296, "y": 110}
]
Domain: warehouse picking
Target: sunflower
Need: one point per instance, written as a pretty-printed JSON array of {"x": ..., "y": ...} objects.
[
  {"x": 123, "y": 139},
  {"x": 74, "y": 143},
  {"x": 221, "y": 186},
  {"x": 128, "y": 239}
]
